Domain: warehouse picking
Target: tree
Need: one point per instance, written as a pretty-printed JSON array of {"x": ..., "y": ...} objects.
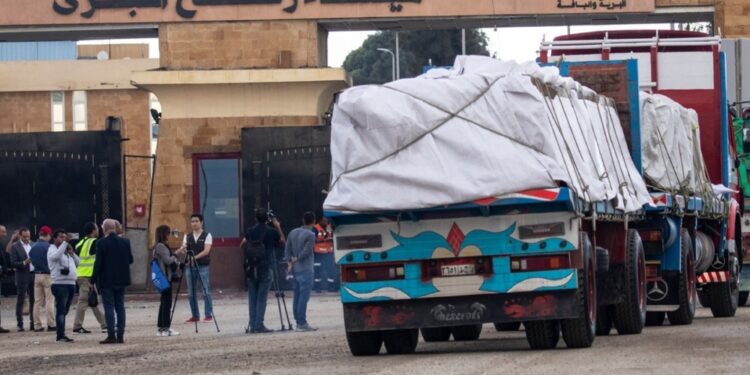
[{"x": 367, "y": 65}]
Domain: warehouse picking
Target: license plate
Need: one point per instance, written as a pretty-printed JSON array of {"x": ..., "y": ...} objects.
[{"x": 458, "y": 270}]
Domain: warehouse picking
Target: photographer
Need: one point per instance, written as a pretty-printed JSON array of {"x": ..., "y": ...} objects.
[
  {"x": 62, "y": 262},
  {"x": 259, "y": 269},
  {"x": 168, "y": 263}
]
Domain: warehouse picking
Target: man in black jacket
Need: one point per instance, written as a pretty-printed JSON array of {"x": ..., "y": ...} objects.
[
  {"x": 21, "y": 262},
  {"x": 111, "y": 277},
  {"x": 4, "y": 262}
]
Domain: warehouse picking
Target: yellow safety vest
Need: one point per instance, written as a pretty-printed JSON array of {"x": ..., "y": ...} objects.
[{"x": 86, "y": 265}]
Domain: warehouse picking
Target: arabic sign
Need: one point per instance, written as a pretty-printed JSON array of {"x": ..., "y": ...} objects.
[{"x": 53, "y": 12}]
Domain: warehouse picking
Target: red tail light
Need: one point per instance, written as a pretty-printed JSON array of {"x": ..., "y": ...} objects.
[
  {"x": 540, "y": 263},
  {"x": 380, "y": 272}
]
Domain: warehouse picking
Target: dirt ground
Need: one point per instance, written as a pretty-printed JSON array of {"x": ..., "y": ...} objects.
[{"x": 709, "y": 345}]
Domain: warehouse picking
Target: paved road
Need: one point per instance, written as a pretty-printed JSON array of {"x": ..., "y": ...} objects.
[{"x": 708, "y": 346}]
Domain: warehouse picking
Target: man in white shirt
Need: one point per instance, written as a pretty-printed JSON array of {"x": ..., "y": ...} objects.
[
  {"x": 63, "y": 263},
  {"x": 198, "y": 243}
]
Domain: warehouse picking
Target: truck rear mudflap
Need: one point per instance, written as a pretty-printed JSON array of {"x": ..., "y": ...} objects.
[{"x": 458, "y": 311}]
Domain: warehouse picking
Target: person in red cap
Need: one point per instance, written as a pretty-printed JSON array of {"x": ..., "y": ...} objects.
[{"x": 42, "y": 281}]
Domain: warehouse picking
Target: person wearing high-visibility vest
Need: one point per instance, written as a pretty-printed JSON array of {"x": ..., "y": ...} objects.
[
  {"x": 325, "y": 266},
  {"x": 87, "y": 253}
]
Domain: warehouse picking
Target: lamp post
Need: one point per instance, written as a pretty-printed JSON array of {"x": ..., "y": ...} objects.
[{"x": 393, "y": 60}]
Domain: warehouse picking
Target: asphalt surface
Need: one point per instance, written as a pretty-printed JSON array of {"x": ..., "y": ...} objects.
[{"x": 708, "y": 346}]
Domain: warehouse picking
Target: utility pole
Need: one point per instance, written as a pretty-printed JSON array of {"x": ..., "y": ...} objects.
[
  {"x": 463, "y": 41},
  {"x": 393, "y": 61}
]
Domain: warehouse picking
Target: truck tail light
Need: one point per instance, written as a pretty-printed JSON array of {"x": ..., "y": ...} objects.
[
  {"x": 374, "y": 241},
  {"x": 381, "y": 272},
  {"x": 652, "y": 270},
  {"x": 541, "y": 230},
  {"x": 650, "y": 235},
  {"x": 540, "y": 263}
]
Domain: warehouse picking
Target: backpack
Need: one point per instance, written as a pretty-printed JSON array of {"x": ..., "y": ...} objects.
[
  {"x": 157, "y": 277},
  {"x": 255, "y": 257}
]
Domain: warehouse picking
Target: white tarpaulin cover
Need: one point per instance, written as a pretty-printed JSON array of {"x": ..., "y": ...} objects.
[
  {"x": 482, "y": 129},
  {"x": 670, "y": 145}
]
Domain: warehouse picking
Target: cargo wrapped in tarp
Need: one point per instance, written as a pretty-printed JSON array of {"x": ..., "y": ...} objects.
[
  {"x": 670, "y": 146},
  {"x": 482, "y": 129}
]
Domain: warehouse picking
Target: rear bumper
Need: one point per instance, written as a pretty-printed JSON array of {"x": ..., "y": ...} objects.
[{"x": 455, "y": 311}]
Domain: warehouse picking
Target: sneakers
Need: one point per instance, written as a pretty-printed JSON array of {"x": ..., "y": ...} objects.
[
  {"x": 171, "y": 332},
  {"x": 20, "y": 329},
  {"x": 104, "y": 330},
  {"x": 191, "y": 320},
  {"x": 208, "y": 319},
  {"x": 3, "y": 330},
  {"x": 108, "y": 340},
  {"x": 161, "y": 333},
  {"x": 167, "y": 333},
  {"x": 39, "y": 330},
  {"x": 64, "y": 340},
  {"x": 305, "y": 328},
  {"x": 81, "y": 331},
  {"x": 51, "y": 329}
]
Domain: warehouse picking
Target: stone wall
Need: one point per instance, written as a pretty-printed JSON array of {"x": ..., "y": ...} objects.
[
  {"x": 25, "y": 112},
  {"x": 241, "y": 45}
]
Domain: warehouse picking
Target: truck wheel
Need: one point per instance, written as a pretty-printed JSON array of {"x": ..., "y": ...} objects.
[
  {"x": 436, "y": 334},
  {"x": 655, "y": 318},
  {"x": 704, "y": 297},
  {"x": 686, "y": 291},
  {"x": 725, "y": 296},
  {"x": 542, "y": 335},
  {"x": 364, "y": 343},
  {"x": 603, "y": 321},
  {"x": 581, "y": 331},
  {"x": 630, "y": 316},
  {"x": 743, "y": 298},
  {"x": 507, "y": 327},
  {"x": 402, "y": 341},
  {"x": 467, "y": 333}
]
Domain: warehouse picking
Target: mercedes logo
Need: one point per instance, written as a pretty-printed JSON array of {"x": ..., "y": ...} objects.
[{"x": 658, "y": 290}]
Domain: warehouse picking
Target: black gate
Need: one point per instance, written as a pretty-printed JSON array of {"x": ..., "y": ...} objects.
[
  {"x": 286, "y": 170},
  {"x": 59, "y": 179}
]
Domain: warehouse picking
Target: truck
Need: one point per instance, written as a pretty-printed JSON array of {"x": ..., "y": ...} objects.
[
  {"x": 692, "y": 239},
  {"x": 490, "y": 193}
]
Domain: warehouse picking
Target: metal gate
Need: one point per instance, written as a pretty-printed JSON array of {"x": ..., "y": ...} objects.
[
  {"x": 59, "y": 179},
  {"x": 287, "y": 170}
]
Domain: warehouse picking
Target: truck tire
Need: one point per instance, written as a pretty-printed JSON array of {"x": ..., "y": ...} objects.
[
  {"x": 704, "y": 297},
  {"x": 507, "y": 327},
  {"x": 743, "y": 298},
  {"x": 581, "y": 331},
  {"x": 402, "y": 341},
  {"x": 364, "y": 343},
  {"x": 686, "y": 287},
  {"x": 655, "y": 318},
  {"x": 542, "y": 335},
  {"x": 467, "y": 333},
  {"x": 436, "y": 334},
  {"x": 603, "y": 321},
  {"x": 725, "y": 296},
  {"x": 630, "y": 316}
]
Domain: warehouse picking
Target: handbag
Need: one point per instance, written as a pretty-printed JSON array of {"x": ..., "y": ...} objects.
[
  {"x": 158, "y": 279},
  {"x": 93, "y": 298}
]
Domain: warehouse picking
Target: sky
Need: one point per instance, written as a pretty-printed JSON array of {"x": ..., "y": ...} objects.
[{"x": 518, "y": 43}]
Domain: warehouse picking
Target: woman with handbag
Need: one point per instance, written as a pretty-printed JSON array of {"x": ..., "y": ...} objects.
[{"x": 168, "y": 263}]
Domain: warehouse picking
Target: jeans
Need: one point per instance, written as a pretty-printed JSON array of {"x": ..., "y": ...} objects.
[
  {"x": 165, "y": 306},
  {"x": 113, "y": 300},
  {"x": 24, "y": 286},
  {"x": 84, "y": 285},
  {"x": 257, "y": 296},
  {"x": 63, "y": 297},
  {"x": 191, "y": 284},
  {"x": 303, "y": 282}
]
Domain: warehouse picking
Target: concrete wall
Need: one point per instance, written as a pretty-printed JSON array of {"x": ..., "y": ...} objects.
[
  {"x": 241, "y": 45},
  {"x": 139, "y": 272}
]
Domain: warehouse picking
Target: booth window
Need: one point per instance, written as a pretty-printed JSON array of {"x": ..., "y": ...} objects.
[
  {"x": 79, "y": 111},
  {"x": 58, "y": 111},
  {"x": 216, "y": 195}
]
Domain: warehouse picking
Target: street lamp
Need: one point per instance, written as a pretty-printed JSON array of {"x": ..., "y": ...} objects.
[{"x": 393, "y": 60}]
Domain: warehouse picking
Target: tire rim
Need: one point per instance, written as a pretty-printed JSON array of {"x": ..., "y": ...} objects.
[{"x": 641, "y": 285}]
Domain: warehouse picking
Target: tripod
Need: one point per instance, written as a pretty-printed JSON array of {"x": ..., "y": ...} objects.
[
  {"x": 280, "y": 302},
  {"x": 193, "y": 267}
]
